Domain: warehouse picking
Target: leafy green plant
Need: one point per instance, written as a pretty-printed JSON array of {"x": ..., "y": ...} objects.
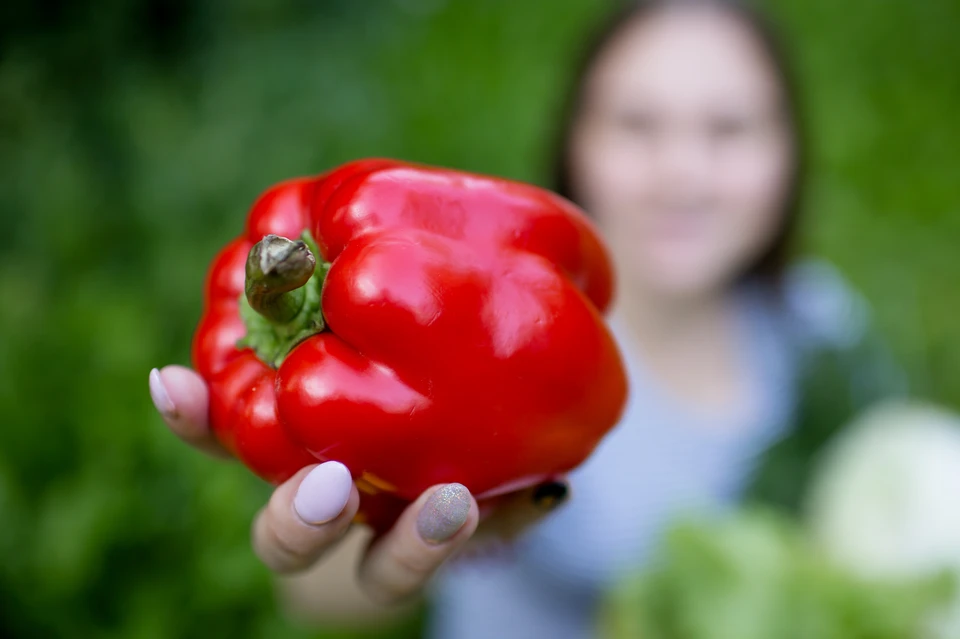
[{"x": 756, "y": 575}]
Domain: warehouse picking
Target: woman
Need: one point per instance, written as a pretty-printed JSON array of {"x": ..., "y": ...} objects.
[{"x": 682, "y": 141}]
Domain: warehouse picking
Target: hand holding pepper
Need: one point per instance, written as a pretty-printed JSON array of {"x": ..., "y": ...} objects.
[{"x": 310, "y": 514}]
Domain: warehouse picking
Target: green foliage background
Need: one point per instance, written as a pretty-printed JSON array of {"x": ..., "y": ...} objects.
[{"x": 135, "y": 134}]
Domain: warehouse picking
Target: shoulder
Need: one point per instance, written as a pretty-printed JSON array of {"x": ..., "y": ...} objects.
[{"x": 822, "y": 308}]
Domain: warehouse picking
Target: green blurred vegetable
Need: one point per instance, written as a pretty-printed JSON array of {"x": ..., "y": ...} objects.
[{"x": 756, "y": 576}]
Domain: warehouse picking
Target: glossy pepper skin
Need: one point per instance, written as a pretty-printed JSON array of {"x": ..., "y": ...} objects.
[{"x": 462, "y": 337}]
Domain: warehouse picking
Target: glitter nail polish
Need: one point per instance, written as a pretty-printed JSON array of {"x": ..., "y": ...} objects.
[{"x": 444, "y": 513}]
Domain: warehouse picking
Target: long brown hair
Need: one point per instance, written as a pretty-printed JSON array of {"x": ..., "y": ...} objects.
[{"x": 769, "y": 266}]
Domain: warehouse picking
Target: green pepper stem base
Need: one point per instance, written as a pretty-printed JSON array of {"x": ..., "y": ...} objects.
[{"x": 277, "y": 312}]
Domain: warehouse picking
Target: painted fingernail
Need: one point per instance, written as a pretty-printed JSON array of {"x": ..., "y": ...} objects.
[
  {"x": 444, "y": 513},
  {"x": 550, "y": 495},
  {"x": 160, "y": 396},
  {"x": 323, "y": 493}
]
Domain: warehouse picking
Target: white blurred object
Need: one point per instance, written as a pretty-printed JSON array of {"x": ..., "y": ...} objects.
[{"x": 885, "y": 500}]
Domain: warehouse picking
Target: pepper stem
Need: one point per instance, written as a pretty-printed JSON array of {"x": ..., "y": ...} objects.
[
  {"x": 277, "y": 269},
  {"x": 281, "y": 304}
]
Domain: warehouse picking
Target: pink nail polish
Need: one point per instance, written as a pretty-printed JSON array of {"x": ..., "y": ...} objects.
[
  {"x": 323, "y": 493},
  {"x": 160, "y": 396}
]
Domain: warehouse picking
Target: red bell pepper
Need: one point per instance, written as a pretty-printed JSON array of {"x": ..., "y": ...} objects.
[{"x": 429, "y": 326}]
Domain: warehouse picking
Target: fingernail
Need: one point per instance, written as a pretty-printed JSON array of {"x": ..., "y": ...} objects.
[
  {"x": 160, "y": 396},
  {"x": 550, "y": 495},
  {"x": 323, "y": 493},
  {"x": 444, "y": 513}
]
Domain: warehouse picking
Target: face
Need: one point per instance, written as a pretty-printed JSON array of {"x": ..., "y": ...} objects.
[{"x": 681, "y": 151}]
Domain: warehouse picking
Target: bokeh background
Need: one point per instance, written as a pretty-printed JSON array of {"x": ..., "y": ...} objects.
[{"x": 134, "y": 134}]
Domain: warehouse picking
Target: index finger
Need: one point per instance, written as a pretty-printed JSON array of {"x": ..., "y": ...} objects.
[{"x": 181, "y": 397}]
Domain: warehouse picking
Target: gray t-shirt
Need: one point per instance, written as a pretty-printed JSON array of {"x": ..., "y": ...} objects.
[{"x": 663, "y": 460}]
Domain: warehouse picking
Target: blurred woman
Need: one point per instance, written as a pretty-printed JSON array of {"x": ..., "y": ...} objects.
[{"x": 682, "y": 141}]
